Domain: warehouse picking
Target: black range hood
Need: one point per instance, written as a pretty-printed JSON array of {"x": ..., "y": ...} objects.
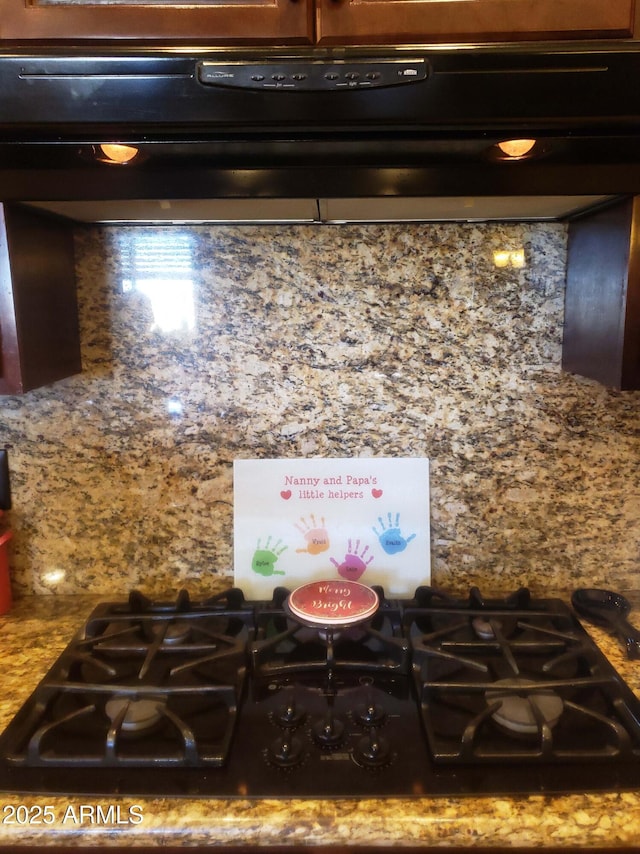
[{"x": 317, "y": 134}]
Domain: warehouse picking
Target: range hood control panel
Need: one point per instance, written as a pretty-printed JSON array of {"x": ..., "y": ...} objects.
[{"x": 331, "y": 75}]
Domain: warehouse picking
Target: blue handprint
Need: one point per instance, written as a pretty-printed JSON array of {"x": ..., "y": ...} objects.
[{"x": 390, "y": 537}]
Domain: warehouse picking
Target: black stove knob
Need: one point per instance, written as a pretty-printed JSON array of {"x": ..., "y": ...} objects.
[
  {"x": 372, "y": 750},
  {"x": 289, "y": 715},
  {"x": 369, "y": 715},
  {"x": 286, "y": 752},
  {"x": 328, "y": 732}
]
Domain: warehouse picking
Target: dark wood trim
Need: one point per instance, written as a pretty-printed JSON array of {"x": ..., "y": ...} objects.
[
  {"x": 38, "y": 307},
  {"x": 602, "y": 303},
  {"x": 10, "y": 375},
  {"x": 631, "y": 332}
]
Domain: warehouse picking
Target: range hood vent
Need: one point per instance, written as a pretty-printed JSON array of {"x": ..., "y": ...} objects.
[
  {"x": 319, "y": 135},
  {"x": 366, "y": 210}
]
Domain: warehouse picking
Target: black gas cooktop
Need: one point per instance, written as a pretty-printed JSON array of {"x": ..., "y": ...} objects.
[{"x": 226, "y": 697}]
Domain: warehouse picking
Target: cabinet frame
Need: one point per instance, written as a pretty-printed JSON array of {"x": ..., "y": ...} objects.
[
  {"x": 388, "y": 21},
  {"x": 323, "y": 22},
  {"x": 216, "y": 22},
  {"x": 602, "y": 297},
  {"x": 39, "y": 335}
]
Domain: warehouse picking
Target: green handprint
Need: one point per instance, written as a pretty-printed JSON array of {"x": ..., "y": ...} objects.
[{"x": 264, "y": 558}]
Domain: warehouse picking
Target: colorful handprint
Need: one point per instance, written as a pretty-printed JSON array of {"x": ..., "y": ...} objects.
[
  {"x": 390, "y": 537},
  {"x": 317, "y": 537},
  {"x": 264, "y": 559},
  {"x": 354, "y": 563}
]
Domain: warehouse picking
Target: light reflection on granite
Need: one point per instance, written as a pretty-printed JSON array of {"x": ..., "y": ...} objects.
[{"x": 390, "y": 340}]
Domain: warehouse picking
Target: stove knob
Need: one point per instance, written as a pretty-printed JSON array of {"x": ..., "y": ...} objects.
[
  {"x": 372, "y": 750},
  {"x": 328, "y": 732},
  {"x": 286, "y": 752},
  {"x": 369, "y": 715},
  {"x": 290, "y": 715}
]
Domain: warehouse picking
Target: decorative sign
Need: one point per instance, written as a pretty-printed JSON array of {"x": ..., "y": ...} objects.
[
  {"x": 333, "y": 603},
  {"x": 361, "y": 519}
]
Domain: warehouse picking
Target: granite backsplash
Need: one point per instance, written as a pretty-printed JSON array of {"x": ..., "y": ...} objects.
[{"x": 203, "y": 344}]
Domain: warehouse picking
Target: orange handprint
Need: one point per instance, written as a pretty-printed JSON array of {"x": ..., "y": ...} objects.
[{"x": 317, "y": 537}]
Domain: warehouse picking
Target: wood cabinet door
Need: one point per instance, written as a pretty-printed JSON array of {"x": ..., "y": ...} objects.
[
  {"x": 424, "y": 21},
  {"x": 602, "y": 303},
  {"x": 207, "y": 21},
  {"x": 39, "y": 337}
]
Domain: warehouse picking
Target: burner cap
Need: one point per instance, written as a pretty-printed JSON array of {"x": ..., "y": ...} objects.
[
  {"x": 140, "y": 715},
  {"x": 175, "y": 633},
  {"x": 483, "y": 628},
  {"x": 516, "y": 712},
  {"x": 333, "y": 604}
]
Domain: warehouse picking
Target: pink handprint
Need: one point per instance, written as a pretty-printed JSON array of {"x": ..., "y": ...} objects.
[{"x": 354, "y": 564}]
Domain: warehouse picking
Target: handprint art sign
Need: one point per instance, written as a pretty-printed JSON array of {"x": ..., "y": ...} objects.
[{"x": 361, "y": 519}]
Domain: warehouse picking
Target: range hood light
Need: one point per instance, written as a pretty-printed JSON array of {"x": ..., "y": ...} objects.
[
  {"x": 516, "y": 149},
  {"x": 117, "y": 153}
]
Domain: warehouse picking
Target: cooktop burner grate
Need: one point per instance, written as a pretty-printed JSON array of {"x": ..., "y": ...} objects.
[
  {"x": 286, "y": 645},
  {"x": 144, "y": 684},
  {"x": 230, "y": 698},
  {"x": 515, "y": 681}
]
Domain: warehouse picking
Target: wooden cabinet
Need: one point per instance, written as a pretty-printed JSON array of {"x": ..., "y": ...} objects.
[
  {"x": 402, "y": 21},
  {"x": 39, "y": 340},
  {"x": 602, "y": 302},
  {"x": 212, "y": 21},
  {"x": 324, "y": 22}
]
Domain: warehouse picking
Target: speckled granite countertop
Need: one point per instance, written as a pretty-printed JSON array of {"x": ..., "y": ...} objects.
[{"x": 37, "y": 630}]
